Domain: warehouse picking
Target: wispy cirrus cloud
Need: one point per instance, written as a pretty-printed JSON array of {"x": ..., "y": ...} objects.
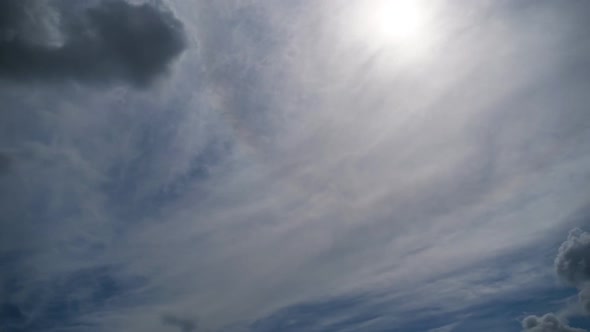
[{"x": 291, "y": 172}]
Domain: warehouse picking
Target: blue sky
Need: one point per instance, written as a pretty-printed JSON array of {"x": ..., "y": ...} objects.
[{"x": 386, "y": 165}]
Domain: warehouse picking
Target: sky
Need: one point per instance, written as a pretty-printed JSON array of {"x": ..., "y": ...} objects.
[{"x": 265, "y": 166}]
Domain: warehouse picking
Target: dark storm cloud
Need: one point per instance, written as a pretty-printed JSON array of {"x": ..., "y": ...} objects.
[
  {"x": 184, "y": 324},
  {"x": 113, "y": 40}
]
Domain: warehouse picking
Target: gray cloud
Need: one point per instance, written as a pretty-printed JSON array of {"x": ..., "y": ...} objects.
[
  {"x": 184, "y": 324},
  {"x": 547, "y": 323},
  {"x": 571, "y": 266},
  {"x": 111, "y": 41},
  {"x": 572, "y": 263}
]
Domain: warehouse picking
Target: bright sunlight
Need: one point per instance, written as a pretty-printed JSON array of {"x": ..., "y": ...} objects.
[{"x": 402, "y": 24}]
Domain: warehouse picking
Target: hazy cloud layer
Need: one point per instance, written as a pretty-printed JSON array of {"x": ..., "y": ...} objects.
[
  {"x": 107, "y": 41},
  {"x": 300, "y": 166}
]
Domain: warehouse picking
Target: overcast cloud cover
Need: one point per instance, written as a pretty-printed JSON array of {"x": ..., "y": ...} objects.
[{"x": 245, "y": 165}]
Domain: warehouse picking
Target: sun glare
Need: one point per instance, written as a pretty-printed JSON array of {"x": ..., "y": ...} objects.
[
  {"x": 393, "y": 23},
  {"x": 398, "y": 20}
]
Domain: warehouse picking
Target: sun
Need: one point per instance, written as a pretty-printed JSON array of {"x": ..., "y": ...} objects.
[
  {"x": 393, "y": 23},
  {"x": 400, "y": 21}
]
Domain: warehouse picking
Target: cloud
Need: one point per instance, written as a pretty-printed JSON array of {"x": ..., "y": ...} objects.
[
  {"x": 547, "y": 323},
  {"x": 111, "y": 41},
  {"x": 278, "y": 168},
  {"x": 445, "y": 328},
  {"x": 184, "y": 324},
  {"x": 572, "y": 265}
]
